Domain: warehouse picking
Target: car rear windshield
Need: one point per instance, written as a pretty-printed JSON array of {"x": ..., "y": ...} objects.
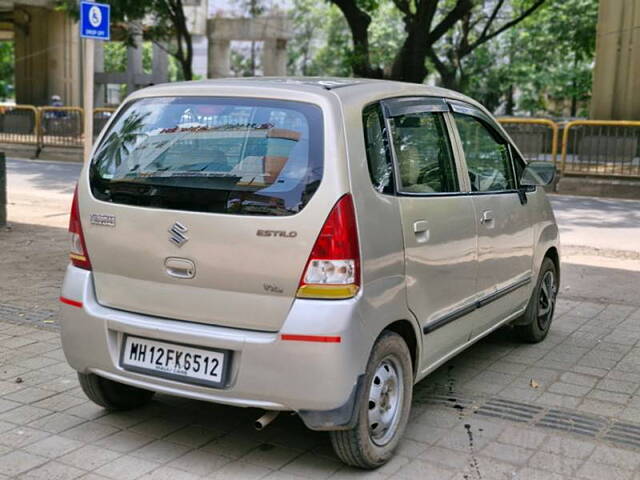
[{"x": 224, "y": 155}]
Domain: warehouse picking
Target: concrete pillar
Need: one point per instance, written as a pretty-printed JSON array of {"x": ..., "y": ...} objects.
[
  {"x": 31, "y": 52},
  {"x": 47, "y": 49},
  {"x": 159, "y": 64},
  {"x": 99, "y": 89},
  {"x": 274, "y": 57},
  {"x": 219, "y": 54},
  {"x": 616, "y": 76},
  {"x": 134, "y": 59}
]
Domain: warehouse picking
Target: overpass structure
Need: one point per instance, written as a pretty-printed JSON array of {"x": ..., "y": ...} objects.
[{"x": 616, "y": 76}]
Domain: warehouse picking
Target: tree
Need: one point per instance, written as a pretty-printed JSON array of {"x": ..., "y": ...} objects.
[
  {"x": 482, "y": 23},
  {"x": 7, "y": 62},
  {"x": 164, "y": 22},
  {"x": 542, "y": 67},
  {"x": 425, "y": 23}
]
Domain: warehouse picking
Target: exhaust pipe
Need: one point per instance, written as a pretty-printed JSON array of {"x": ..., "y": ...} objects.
[{"x": 266, "y": 419}]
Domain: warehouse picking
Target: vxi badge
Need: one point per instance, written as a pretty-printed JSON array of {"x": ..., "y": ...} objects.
[{"x": 178, "y": 236}]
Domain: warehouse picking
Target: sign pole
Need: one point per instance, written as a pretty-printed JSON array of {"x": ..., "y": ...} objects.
[
  {"x": 88, "y": 79},
  {"x": 95, "y": 24}
]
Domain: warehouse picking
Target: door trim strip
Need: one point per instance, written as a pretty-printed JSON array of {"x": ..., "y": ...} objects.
[{"x": 467, "y": 309}]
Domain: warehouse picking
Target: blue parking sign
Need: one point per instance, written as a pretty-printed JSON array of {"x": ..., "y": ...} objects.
[{"x": 95, "y": 20}]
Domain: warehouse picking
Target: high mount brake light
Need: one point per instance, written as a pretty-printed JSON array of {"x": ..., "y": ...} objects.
[
  {"x": 333, "y": 268},
  {"x": 78, "y": 254}
]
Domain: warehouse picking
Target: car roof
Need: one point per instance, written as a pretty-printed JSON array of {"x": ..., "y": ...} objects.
[{"x": 349, "y": 90}]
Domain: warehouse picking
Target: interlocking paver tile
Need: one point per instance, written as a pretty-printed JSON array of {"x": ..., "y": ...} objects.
[
  {"x": 53, "y": 446},
  {"x": 193, "y": 435},
  {"x": 53, "y": 471},
  {"x": 126, "y": 468},
  {"x": 200, "y": 462},
  {"x": 313, "y": 466},
  {"x": 168, "y": 473},
  {"x": 161, "y": 451},
  {"x": 597, "y": 471},
  {"x": 616, "y": 456},
  {"x": 89, "y": 432},
  {"x": 529, "y": 473},
  {"x": 21, "y": 436},
  {"x": 24, "y": 414},
  {"x": 271, "y": 456},
  {"x": 522, "y": 437},
  {"x": 421, "y": 469},
  {"x": 507, "y": 453},
  {"x": 89, "y": 457},
  {"x": 124, "y": 441},
  {"x": 16, "y": 462},
  {"x": 57, "y": 422},
  {"x": 564, "y": 465}
]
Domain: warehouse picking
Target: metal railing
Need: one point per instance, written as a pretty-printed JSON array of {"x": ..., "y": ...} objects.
[
  {"x": 61, "y": 126},
  {"x": 101, "y": 116},
  {"x": 601, "y": 148},
  {"x": 19, "y": 124},
  {"x": 536, "y": 138}
]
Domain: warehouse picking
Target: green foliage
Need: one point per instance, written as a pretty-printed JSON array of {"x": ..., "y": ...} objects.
[
  {"x": 7, "y": 56},
  {"x": 546, "y": 62}
]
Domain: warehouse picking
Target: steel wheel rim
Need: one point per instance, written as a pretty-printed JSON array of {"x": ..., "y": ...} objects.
[
  {"x": 386, "y": 394},
  {"x": 546, "y": 299}
]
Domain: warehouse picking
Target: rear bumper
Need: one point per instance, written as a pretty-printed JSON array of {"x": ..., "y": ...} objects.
[{"x": 265, "y": 372}]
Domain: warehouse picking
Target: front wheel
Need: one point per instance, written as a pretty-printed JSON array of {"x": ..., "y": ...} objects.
[
  {"x": 383, "y": 406},
  {"x": 541, "y": 308}
]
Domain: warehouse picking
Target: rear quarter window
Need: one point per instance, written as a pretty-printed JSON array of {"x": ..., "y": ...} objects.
[{"x": 212, "y": 154}]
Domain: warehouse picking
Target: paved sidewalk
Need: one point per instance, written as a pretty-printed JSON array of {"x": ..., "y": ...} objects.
[{"x": 563, "y": 409}]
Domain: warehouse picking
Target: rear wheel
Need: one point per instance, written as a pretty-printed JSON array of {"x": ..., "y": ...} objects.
[
  {"x": 383, "y": 406},
  {"x": 539, "y": 313},
  {"x": 113, "y": 395}
]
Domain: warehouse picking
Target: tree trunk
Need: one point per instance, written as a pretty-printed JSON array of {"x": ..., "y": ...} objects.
[
  {"x": 358, "y": 24},
  {"x": 410, "y": 62},
  {"x": 510, "y": 105}
]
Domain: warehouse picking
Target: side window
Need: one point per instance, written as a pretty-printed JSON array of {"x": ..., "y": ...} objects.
[
  {"x": 487, "y": 156},
  {"x": 378, "y": 156},
  {"x": 424, "y": 155}
]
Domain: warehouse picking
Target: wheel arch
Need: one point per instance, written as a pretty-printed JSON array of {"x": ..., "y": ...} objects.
[
  {"x": 554, "y": 255},
  {"x": 406, "y": 329}
]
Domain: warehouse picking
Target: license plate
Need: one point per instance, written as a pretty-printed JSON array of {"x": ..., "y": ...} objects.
[{"x": 177, "y": 362}]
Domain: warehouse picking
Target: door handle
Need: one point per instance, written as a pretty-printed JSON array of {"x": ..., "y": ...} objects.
[
  {"x": 421, "y": 231},
  {"x": 487, "y": 217},
  {"x": 420, "y": 226},
  {"x": 180, "y": 267}
]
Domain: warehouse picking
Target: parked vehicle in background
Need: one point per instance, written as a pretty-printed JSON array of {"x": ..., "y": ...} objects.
[{"x": 307, "y": 245}]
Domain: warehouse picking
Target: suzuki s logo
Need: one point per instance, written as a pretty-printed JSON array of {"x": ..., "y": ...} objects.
[{"x": 178, "y": 236}]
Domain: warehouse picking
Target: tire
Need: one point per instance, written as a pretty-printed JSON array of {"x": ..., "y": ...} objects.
[
  {"x": 113, "y": 395},
  {"x": 539, "y": 314},
  {"x": 388, "y": 386}
]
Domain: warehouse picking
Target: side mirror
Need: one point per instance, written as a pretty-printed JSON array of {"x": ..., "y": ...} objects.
[{"x": 538, "y": 173}]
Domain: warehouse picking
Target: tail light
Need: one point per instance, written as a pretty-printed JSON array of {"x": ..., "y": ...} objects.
[
  {"x": 79, "y": 256},
  {"x": 333, "y": 268}
]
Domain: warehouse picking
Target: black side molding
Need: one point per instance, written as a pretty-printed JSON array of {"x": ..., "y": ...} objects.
[{"x": 487, "y": 299}]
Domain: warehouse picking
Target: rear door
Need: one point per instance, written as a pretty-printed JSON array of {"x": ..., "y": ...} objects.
[
  {"x": 199, "y": 208},
  {"x": 505, "y": 234},
  {"x": 438, "y": 222}
]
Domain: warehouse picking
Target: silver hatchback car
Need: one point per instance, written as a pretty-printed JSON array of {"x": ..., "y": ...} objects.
[{"x": 306, "y": 245}]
